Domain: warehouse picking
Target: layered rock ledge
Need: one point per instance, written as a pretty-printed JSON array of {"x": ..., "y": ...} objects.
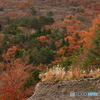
[{"x": 61, "y": 90}]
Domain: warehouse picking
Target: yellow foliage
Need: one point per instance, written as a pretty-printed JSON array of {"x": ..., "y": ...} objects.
[
  {"x": 54, "y": 74},
  {"x": 20, "y": 28},
  {"x": 11, "y": 18},
  {"x": 57, "y": 73}
]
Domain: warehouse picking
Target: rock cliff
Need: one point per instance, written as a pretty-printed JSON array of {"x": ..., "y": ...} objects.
[{"x": 61, "y": 90}]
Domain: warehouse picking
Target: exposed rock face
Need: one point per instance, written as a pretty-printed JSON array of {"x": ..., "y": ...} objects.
[{"x": 61, "y": 90}]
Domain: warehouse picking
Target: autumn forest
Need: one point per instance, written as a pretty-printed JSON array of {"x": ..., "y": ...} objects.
[{"x": 47, "y": 40}]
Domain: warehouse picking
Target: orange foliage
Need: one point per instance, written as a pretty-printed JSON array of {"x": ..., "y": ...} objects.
[
  {"x": 20, "y": 28},
  {"x": 62, "y": 50},
  {"x": 58, "y": 60},
  {"x": 13, "y": 76},
  {"x": 1, "y": 5},
  {"x": 23, "y": 4},
  {"x": 10, "y": 54},
  {"x": 72, "y": 26},
  {"x": 16, "y": 14},
  {"x": 42, "y": 38},
  {"x": 87, "y": 36},
  {"x": 47, "y": 27},
  {"x": 58, "y": 24},
  {"x": 45, "y": 39},
  {"x": 57, "y": 44}
]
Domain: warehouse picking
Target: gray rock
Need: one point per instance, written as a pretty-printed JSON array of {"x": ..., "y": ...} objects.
[{"x": 61, "y": 90}]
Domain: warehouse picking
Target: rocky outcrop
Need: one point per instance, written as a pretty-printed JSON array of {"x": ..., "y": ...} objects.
[{"x": 61, "y": 90}]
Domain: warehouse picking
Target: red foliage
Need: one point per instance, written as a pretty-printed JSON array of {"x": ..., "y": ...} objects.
[
  {"x": 13, "y": 76},
  {"x": 13, "y": 79},
  {"x": 47, "y": 27}
]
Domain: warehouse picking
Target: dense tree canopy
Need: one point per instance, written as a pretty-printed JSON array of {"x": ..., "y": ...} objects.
[{"x": 36, "y": 35}]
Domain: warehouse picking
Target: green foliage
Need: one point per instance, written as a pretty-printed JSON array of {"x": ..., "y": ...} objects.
[
  {"x": 80, "y": 18},
  {"x": 45, "y": 55},
  {"x": 77, "y": 36},
  {"x": 56, "y": 49},
  {"x": 46, "y": 20},
  {"x": 35, "y": 75},
  {"x": 33, "y": 11},
  {"x": 22, "y": 37},
  {"x": 6, "y": 38},
  {"x": 32, "y": 22},
  {"x": 14, "y": 40},
  {"x": 40, "y": 33},
  {"x": 1, "y": 8},
  {"x": 33, "y": 80},
  {"x": 56, "y": 35},
  {"x": 50, "y": 13},
  {"x": 70, "y": 17},
  {"x": 1, "y": 56},
  {"x": 11, "y": 29},
  {"x": 4, "y": 45},
  {"x": 93, "y": 57},
  {"x": 65, "y": 42},
  {"x": 78, "y": 10},
  {"x": 66, "y": 63},
  {"x": 19, "y": 54}
]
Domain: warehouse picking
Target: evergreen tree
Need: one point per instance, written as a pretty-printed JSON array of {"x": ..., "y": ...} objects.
[
  {"x": 65, "y": 42},
  {"x": 93, "y": 57}
]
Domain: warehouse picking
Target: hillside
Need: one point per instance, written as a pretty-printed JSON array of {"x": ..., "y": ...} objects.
[{"x": 48, "y": 41}]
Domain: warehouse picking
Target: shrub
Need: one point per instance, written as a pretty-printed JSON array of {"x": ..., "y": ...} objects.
[
  {"x": 93, "y": 56},
  {"x": 32, "y": 22},
  {"x": 33, "y": 11},
  {"x": 57, "y": 73},
  {"x": 50, "y": 13},
  {"x": 79, "y": 10},
  {"x": 80, "y": 18},
  {"x": 1, "y": 8},
  {"x": 53, "y": 74},
  {"x": 11, "y": 29},
  {"x": 43, "y": 55},
  {"x": 95, "y": 73}
]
